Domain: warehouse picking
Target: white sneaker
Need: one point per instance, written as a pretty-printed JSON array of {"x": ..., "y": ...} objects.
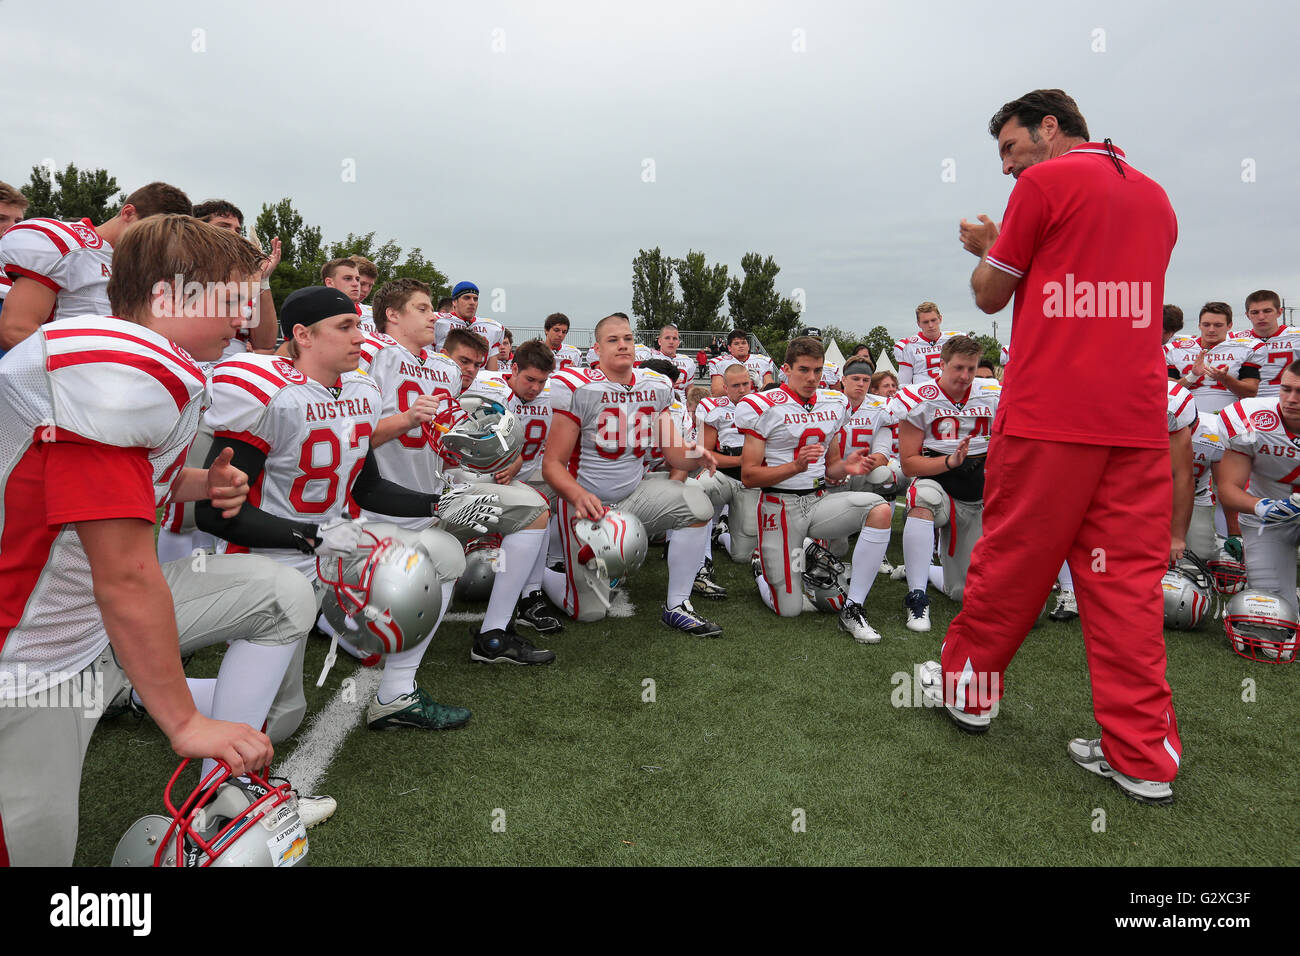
[
  {"x": 932, "y": 690},
  {"x": 887, "y": 568},
  {"x": 917, "y": 606},
  {"x": 1087, "y": 754},
  {"x": 899, "y": 573},
  {"x": 314, "y": 810},
  {"x": 855, "y": 623}
]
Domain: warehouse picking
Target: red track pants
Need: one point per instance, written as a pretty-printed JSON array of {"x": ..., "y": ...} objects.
[{"x": 1108, "y": 511}]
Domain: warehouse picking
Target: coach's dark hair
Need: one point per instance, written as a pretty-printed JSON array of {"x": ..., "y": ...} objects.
[
  {"x": 444, "y": 303},
  {"x": 804, "y": 345},
  {"x": 1030, "y": 109},
  {"x": 159, "y": 199},
  {"x": 554, "y": 319},
  {"x": 1217, "y": 308},
  {"x": 737, "y": 334},
  {"x": 464, "y": 338},
  {"x": 1173, "y": 318},
  {"x": 209, "y": 209},
  {"x": 1264, "y": 295},
  {"x": 959, "y": 345},
  {"x": 394, "y": 294},
  {"x": 535, "y": 354}
]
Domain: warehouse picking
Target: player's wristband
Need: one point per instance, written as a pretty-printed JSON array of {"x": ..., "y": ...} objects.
[
  {"x": 266, "y": 285},
  {"x": 946, "y": 464}
]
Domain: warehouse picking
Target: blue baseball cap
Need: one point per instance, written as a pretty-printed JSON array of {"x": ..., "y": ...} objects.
[{"x": 462, "y": 288}]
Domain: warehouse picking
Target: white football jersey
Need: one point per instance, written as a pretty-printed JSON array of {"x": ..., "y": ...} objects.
[
  {"x": 719, "y": 412},
  {"x": 867, "y": 428},
  {"x": 1182, "y": 408},
  {"x": 534, "y": 417},
  {"x": 618, "y": 424},
  {"x": 366, "y": 320},
  {"x": 1207, "y": 448},
  {"x": 945, "y": 422},
  {"x": 89, "y": 381},
  {"x": 756, "y": 365},
  {"x": 1270, "y": 356},
  {"x": 315, "y": 440},
  {"x": 1254, "y": 427},
  {"x": 1181, "y": 354},
  {"x": 444, "y": 323},
  {"x": 831, "y": 376},
  {"x": 70, "y": 258},
  {"x": 568, "y": 356},
  {"x": 688, "y": 370},
  {"x": 593, "y": 360},
  {"x": 917, "y": 358},
  {"x": 6, "y": 283},
  {"x": 781, "y": 419},
  {"x": 490, "y": 329},
  {"x": 411, "y": 459}
]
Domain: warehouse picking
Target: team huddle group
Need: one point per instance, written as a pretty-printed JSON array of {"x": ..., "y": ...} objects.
[{"x": 337, "y": 468}]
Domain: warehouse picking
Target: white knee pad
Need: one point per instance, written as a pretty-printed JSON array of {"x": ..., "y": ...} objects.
[
  {"x": 446, "y": 551},
  {"x": 927, "y": 493}
]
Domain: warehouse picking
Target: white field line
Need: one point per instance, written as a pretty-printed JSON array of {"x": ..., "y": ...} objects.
[{"x": 328, "y": 729}]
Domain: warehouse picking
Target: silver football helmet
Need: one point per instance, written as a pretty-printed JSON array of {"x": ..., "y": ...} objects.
[
  {"x": 821, "y": 569},
  {"x": 614, "y": 545},
  {"x": 486, "y": 440},
  {"x": 225, "y": 821},
  {"x": 1261, "y": 626},
  {"x": 1188, "y": 589},
  {"x": 482, "y": 556},
  {"x": 1228, "y": 573},
  {"x": 829, "y": 598},
  {"x": 387, "y": 595}
]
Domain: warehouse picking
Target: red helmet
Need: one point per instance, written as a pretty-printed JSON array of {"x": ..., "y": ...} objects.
[{"x": 225, "y": 821}]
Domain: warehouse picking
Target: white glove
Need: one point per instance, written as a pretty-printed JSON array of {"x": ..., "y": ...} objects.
[
  {"x": 338, "y": 538},
  {"x": 460, "y": 507},
  {"x": 1277, "y": 510}
]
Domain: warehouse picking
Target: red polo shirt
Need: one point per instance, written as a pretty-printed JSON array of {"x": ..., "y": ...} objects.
[{"x": 1090, "y": 247}]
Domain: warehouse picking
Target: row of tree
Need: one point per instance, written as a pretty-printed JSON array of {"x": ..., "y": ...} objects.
[
  {"x": 70, "y": 194},
  {"x": 689, "y": 291}
]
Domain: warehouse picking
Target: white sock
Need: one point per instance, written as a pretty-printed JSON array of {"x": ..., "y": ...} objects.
[
  {"x": 867, "y": 555},
  {"x": 247, "y": 683},
  {"x": 1065, "y": 578},
  {"x": 201, "y": 689},
  {"x": 554, "y": 586},
  {"x": 685, "y": 558},
  {"x": 398, "y": 676},
  {"x": 518, "y": 555},
  {"x": 765, "y": 592},
  {"x": 724, "y": 539},
  {"x": 936, "y": 575},
  {"x": 708, "y": 547},
  {"x": 554, "y": 544},
  {"x": 534, "y": 582},
  {"x": 918, "y": 544}
]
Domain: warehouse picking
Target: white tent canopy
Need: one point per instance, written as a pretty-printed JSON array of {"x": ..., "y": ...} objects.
[{"x": 883, "y": 364}]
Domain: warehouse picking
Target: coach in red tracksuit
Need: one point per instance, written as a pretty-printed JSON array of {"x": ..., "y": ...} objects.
[{"x": 1078, "y": 466}]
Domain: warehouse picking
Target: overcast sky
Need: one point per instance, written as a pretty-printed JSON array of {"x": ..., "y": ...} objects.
[{"x": 512, "y": 142}]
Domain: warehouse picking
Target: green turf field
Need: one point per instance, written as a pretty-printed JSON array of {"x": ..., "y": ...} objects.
[{"x": 774, "y": 717}]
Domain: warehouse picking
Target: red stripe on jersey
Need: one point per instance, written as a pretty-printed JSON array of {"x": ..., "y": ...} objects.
[
  {"x": 165, "y": 376},
  {"x": 17, "y": 272},
  {"x": 187, "y": 364},
  {"x": 276, "y": 380},
  {"x": 174, "y": 517},
  {"x": 247, "y": 438},
  {"x": 249, "y": 387},
  {"x": 569, "y": 415},
  {"x": 1185, "y": 401},
  {"x": 4, "y": 850},
  {"x": 750, "y": 431},
  {"x": 26, "y": 541},
  {"x": 166, "y": 477},
  {"x": 60, "y": 241}
]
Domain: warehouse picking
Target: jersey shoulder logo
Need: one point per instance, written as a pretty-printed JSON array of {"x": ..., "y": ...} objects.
[
  {"x": 1264, "y": 420},
  {"x": 779, "y": 396},
  {"x": 383, "y": 339},
  {"x": 89, "y": 237},
  {"x": 291, "y": 374},
  {"x": 928, "y": 392}
]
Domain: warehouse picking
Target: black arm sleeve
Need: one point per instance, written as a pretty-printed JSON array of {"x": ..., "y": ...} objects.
[
  {"x": 1248, "y": 372},
  {"x": 1174, "y": 373},
  {"x": 375, "y": 493},
  {"x": 251, "y": 527}
]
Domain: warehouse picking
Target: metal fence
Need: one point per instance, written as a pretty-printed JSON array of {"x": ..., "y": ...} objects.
[{"x": 692, "y": 341}]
